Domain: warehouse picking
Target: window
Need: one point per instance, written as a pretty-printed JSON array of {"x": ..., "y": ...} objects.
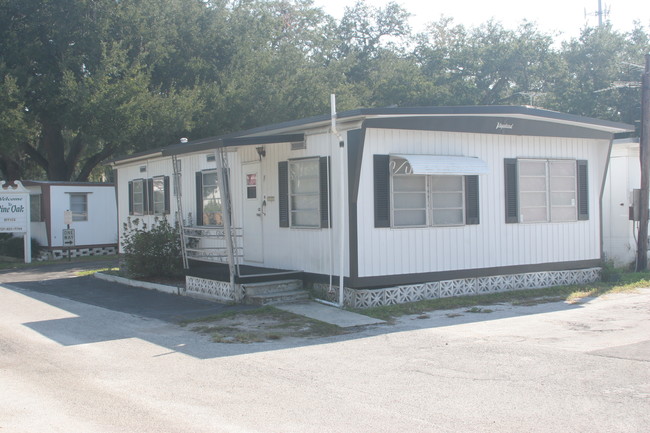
[
  {"x": 425, "y": 200},
  {"x": 149, "y": 196},
  {"x": 138, "y": 199},
  {"x": 158, "y": 197},
  {"x": 209, "y": 206},
  {"x": 79, "y": 206},
  {"x": 35, "y": 214},
  {"x": 303, "y": 195},
  {"x": 546, "y": 190}
]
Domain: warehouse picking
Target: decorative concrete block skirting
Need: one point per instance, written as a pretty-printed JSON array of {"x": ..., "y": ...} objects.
[
  {"x": 366, "y": 298},
  {"x": 209, "y": 289},
  {"x": 62, "y": 253}
]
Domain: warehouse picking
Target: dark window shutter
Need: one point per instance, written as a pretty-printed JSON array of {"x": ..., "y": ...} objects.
[
  {"x": 199, "y": 198},
  {"x": 471, "y": 200},
  {"x": 167, "y": 195},
  {"x": 130, "y": 198},
  {"x": 283, "y": 192},
  {"x": 148, "y": 207},
  {"x": 511, "y": 191},
  {"x": 381, "y": 171},
  {"x": 325, "y": 191},
  {"x": 583, "y": 190}
]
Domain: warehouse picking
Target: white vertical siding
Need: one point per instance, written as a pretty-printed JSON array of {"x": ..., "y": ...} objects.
[
  {"x": 623, "y": 176},
  {"x": 101, "y": 226},
  {"x": 287, "y": 248},
  {"x": 492, "y": 243}
]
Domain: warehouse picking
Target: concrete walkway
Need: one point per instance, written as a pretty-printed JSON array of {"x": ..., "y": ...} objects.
[{"x": 327, "y": 314}]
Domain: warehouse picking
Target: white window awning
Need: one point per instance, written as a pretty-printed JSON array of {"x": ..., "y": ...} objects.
[{"x": 444, "y": 164}]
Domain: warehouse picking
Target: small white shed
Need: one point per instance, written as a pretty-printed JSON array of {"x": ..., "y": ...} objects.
[
  {"x": 93, "y": 212},
  {"x": 623, "y": 177}
]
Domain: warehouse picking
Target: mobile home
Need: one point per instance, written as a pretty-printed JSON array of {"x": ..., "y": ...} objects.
[{"x": 400, "y": 204}]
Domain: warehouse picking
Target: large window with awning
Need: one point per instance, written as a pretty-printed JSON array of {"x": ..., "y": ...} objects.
[{"x": 426, "y": 190}]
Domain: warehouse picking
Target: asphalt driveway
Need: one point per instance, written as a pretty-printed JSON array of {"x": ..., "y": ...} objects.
[{"x": 61, "y": 280}]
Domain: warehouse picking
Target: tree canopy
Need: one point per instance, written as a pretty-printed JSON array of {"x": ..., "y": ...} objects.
[{"x": 83, "y": 81}]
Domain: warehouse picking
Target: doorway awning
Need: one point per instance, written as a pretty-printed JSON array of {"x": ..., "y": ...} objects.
[{"x": 445, "y": 165}]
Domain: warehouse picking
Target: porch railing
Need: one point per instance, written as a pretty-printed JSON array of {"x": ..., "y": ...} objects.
[{"x": 208, "y": 244}]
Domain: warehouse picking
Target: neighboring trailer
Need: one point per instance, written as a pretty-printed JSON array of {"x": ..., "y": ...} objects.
[
  {"x": 623, "y": 177},
  {"x": 93, "y": 213},
  {"x": 429, "y": 202}
]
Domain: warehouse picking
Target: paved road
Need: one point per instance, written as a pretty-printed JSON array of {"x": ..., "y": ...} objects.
[{"x": 68, "y": 366}]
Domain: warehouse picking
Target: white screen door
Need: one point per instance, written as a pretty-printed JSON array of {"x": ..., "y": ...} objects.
[{"x": 254, "y": 212}]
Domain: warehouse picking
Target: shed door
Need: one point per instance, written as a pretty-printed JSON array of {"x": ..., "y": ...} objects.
[{"x": 254, "y": 212}]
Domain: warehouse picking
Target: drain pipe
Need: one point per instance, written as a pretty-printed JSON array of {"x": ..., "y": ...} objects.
[{"x": 342, "y": 201}]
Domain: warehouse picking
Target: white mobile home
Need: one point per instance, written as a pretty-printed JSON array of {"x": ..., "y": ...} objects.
[
  {"x": 405, "y": 203},
  {"x": 93, "y": 217}
]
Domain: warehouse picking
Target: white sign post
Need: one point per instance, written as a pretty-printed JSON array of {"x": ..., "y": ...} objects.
[{"x": 14, "y": 213}]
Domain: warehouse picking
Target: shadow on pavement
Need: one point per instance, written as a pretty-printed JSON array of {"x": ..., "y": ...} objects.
[{"x": 122, "y": 309}]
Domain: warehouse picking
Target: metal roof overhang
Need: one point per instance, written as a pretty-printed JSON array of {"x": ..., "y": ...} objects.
[
  {"x": 445, "y": 165},
  {"x": 211, "y": 144}
]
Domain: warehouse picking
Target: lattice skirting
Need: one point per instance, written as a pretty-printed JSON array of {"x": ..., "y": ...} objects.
[
  {"x": 57, "y": 254},
  {"x": 211, "y": 289},
  {"x": 366, "y": 298}
]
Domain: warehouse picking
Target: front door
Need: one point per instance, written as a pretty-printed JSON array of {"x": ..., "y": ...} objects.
[{"x": 254, "y": 212}]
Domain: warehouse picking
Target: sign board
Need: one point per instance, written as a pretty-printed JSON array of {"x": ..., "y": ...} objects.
[
  {"x": 68, "y": 237},
  {"x": 14, "y": 213},
  {"x": 67, "y": 217}
]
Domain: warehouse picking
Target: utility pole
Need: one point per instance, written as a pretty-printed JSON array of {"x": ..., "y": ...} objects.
[{"x": 644, "y": 157}]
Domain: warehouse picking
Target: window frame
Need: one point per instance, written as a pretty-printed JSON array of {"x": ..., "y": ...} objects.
[
  {"x": 36, "y": 200},
  {"x": 295, "y": 196},
  {"x": 550, "y": 192},
  {"x": 158, "y": 196},
  {"x": 214, "y": 187},
  {"x": 399, "y": 167},
  {"x": 142, "y": 203},
  {"x": 77, "y": 216}
]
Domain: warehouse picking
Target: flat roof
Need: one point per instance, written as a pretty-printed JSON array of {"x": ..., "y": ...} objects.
[{"x": 291, "y": 127}]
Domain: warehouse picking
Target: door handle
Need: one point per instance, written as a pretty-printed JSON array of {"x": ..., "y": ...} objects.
[{"x": 261, "y": 211}]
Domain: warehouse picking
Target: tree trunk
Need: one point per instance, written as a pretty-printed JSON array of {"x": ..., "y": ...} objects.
[{"x": 53, "y": 146}]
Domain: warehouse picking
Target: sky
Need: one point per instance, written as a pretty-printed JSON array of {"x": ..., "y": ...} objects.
[{"x": 563, "y": 18}]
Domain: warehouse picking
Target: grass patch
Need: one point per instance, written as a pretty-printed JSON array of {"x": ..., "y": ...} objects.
[
  {"x": 9, "y": 263},
  {"x": 258, "y": 325},
  {"x": 626, "y": 282},
  {"x": 112, "y": 271}
]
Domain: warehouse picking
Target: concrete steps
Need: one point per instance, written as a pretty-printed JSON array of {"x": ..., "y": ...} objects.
[{"x": 274, "y": 292}]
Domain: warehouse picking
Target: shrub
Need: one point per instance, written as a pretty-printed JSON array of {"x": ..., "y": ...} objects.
[
  {"x": 152, "y": 253},
  {"x": 13, "y": 246}
]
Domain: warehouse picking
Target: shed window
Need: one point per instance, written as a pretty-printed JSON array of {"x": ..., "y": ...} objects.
[
  {"x": 79, "y": 206},
  {"x": 35, "y": 206}
]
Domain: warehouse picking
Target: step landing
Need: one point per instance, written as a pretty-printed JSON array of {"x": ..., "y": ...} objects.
[{"x": 274, "y": 292}]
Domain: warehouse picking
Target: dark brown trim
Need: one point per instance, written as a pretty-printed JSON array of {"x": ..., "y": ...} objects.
[
  {"x": 47, "y": 211},
  {"x": 262, "y": 139},
  {"x": 81, "y": 246},
  {"x": 56, "y": 183},
  {"x": 355, "y": 143},
  {"x": 489, "y": 125},
  {"x": 405, "y": 279}
]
